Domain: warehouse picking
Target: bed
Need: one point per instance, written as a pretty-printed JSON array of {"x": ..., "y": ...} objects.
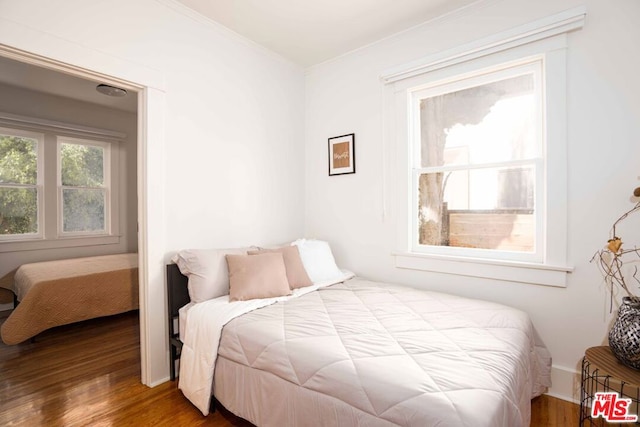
[
  {"x": 56, "y": 293},
  {"x": 350, "y": 351}
]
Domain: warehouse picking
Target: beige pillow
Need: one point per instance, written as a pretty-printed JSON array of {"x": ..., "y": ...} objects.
[
  {"x": 257, "y": 276},
  {"x": 296, "y": 274}
]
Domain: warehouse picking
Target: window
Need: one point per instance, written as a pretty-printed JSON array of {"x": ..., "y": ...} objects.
[
  {"x": 83, "y": 186},
  {"x": 58, "y": 185},
  {"x": 20, "y": 184},
  {"x": 477, "y": 148},
  {"x": 475, "y": 155}
]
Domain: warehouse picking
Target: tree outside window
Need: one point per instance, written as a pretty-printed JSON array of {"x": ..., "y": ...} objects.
[
  {"x": 18, "y": 185},
  {"x": 83, "y": 190}
]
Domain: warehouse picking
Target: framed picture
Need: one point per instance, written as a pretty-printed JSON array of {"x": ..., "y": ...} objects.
[{"x": 342, "y": 155}]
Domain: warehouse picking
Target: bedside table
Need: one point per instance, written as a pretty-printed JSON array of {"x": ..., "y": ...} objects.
[{"x": 602, "y": 372}]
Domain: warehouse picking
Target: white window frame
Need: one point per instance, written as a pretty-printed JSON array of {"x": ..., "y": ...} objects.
[
  {"x": 49, "y": 225},
  {"x": 39, "y": 186},
  {"x": 534, "y": 66},
  {"x": 106, "y": 168},
  {"x": 546, "y": 38}
]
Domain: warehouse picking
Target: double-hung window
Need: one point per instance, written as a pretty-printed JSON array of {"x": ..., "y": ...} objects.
[
  {"x": 21, "y": 179},
  {"x": 83, "y": 182},
  {"x": 477, "y": 162},
  {"x": 58, "y": 185},
  {"x": 476, "y": 149}
]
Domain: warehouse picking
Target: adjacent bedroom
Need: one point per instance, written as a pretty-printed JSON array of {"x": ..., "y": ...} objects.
[{"x": 287, "y": 213}]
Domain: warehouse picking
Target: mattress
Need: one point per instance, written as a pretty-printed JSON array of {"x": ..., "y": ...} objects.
[{"x": 366, "y": 353}]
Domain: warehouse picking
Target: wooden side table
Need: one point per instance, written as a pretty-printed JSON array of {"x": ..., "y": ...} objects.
[{"x": 602, "y": 372}]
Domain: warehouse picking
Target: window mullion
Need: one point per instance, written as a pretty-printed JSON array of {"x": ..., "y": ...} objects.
[
  {"x": 454, "y": 168},
  {"x": 81, "y": 187},
  {"x": 15, "y": 185}
]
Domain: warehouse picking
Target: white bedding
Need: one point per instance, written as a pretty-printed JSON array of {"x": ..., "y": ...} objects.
[
  {"x": 203, "y": 323},
  {"x": 369, "y": 354}
]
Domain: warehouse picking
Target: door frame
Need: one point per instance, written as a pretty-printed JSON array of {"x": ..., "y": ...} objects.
[{"x": 26, "y": 44}]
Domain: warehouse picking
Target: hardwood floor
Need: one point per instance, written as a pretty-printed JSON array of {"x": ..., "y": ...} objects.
[
  {"x": 88, "y": 374},
  {"x": 547, "y": 411}
]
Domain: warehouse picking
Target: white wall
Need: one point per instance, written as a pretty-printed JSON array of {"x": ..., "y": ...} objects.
[
  {"x": 223, "y": 165},
  {"x": 230, "y": 172},
  {"x": 38, "y": 105},
  {"x": 356, "y": 216}
]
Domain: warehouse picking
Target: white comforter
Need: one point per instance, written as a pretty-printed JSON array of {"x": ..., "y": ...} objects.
[
  {"x": 395, "y": 355},
  {"x": 201, "y": 337}
]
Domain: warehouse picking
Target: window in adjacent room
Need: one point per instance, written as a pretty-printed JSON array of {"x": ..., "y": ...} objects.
[
  {"x": 83, "y": 187},
  {"x": 57, "y": 190},
  {"x": 20, "y": 184},
  {"x": 477, "y": 159}
]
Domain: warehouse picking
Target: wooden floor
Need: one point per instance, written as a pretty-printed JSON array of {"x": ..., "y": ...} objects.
[{"x": 88, "y": 374}]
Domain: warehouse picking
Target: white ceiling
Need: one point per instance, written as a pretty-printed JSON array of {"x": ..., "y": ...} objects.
[
  {"x": 309, "y": 32},
  {"x": 304, "y": 31}
]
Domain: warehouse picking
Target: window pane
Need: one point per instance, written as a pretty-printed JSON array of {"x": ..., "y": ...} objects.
[
  {"x": 82, "y": 165},
  {"x": 18, "y": 160},
  {"x": 18, "y": 211},
  {"x": 83, "y": 209},
  {"x": 489, "y": 123},
  {"x": 490, "y": 208}
]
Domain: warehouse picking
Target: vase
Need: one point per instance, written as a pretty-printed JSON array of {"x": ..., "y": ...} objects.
[{"x": 624, "y": 336}]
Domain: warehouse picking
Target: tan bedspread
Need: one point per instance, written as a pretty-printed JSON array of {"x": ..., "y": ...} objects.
[{"x": 56, "y": 293}]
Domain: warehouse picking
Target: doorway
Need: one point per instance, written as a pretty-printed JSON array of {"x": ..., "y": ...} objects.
[{"x": 149, "y": 86}]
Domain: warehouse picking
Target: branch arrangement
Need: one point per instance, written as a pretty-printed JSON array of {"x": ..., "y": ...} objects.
[{"x": 613, "y": 257}]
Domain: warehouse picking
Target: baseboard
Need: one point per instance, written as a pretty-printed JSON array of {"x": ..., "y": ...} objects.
[
  {"x": 565, "y": 384},
  {"x": 160, "y": 381}
]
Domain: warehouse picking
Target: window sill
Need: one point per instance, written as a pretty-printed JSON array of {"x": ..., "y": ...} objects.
[
  {"x": 512, "y": 271},
  {"x": 43, "y": 244}
]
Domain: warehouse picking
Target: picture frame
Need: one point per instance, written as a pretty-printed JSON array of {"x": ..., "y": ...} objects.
[{"x": 342, "y": 154}]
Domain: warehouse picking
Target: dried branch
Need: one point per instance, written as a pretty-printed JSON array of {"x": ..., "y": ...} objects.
[
  {"x": 623, "y": 216},
  {"x": 611, "y": 260}
]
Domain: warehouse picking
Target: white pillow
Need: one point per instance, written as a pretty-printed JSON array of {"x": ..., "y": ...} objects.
[
  {"x": 207, "y": 271},
  {"x": 318, "y": 260}
]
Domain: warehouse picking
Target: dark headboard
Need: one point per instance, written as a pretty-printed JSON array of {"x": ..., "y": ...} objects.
[
  {"x": 177, "y": 297},
  {"x": 177, "y": 290}
]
